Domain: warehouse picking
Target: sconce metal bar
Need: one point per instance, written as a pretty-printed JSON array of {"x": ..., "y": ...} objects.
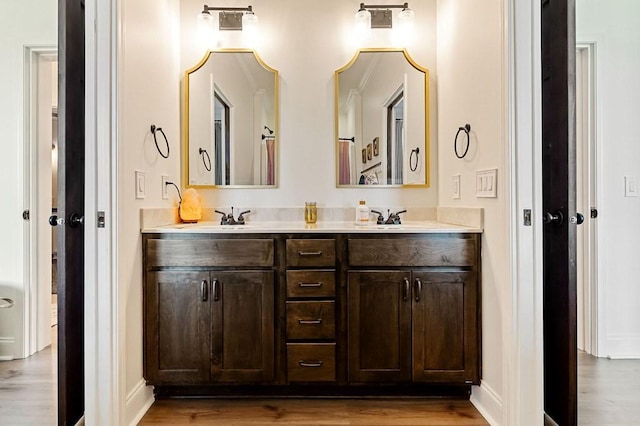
[
  {"x": 230, "y": 18},
  {"x": 381, "y": 16}
]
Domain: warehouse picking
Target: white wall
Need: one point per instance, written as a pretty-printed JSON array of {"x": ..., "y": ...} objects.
[
  {"x": 148, "y": 93},
  {"x": 21, "y": 23},
  {"x": 306, "y": 43},
  {"x": 471, "y": 89},
  {"x": 613, "y": 26}
]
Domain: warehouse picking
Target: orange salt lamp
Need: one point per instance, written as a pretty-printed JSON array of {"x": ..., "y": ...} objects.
[{"x": 191, "y": 206}]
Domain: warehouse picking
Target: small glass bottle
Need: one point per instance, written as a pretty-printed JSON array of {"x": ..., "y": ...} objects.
[{"x": 310, "y": 212}]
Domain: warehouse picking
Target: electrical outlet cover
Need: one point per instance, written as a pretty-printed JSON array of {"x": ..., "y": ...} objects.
[
  {"x": 165, "y": 190},
  {"x": 630, "y": 186}
]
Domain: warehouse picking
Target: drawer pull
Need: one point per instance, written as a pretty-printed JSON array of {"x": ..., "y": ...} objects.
[
  {"x": 315, "y": 364},
  {"x": 310, "y": 322},
  {"x": 306, "y": 285},
  {"x": 310, "y": 253}
]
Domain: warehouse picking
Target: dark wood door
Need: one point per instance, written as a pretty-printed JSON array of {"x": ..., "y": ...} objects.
[
  {"x": 242, "y": 326},
  {"x": 379, "y": 312},
  {"x": 177, "y": 327},
  {"x": 71, "y": 138},
  {"x": 559, "y": 205},
  {"x": 445, "y": 337}
]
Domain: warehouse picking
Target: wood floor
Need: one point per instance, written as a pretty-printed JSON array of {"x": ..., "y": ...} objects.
[
  {"x": 608, "y": 394},
  {"x": 608, "y": 391},
  {"x": 28, "y": 390},
  {"x": 313, "y": 412}
]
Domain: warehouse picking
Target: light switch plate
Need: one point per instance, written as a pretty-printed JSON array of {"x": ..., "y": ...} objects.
[
  {"x": 456, "y": 187},
  {"x": 486, "y": 183},
  {"x": 140, "y": 185},
  {"x": 630, "y": 186},
  {"x": 165, "y": 190}
]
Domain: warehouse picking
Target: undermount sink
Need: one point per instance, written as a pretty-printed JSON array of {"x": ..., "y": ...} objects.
[{"x": 211, "y": 225}]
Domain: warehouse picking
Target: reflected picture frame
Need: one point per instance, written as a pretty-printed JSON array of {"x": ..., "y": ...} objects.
[
  {"x": 369, "y": 152},
  {"x": 376, "y": 146},
  {"x": 364, "y": 155}
]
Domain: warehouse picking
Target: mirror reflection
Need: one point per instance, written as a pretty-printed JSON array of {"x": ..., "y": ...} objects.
[
  {"x": 231, "y": 113},
  {"x": 382, "y": 120}
]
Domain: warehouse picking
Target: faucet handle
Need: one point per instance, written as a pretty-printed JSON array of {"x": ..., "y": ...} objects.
[
  {"x": 380, "y": 219},
  {"x": 224, "y": 219},
  {"x": 396, "y": 216},
  {"x": 241, "y": 216}
]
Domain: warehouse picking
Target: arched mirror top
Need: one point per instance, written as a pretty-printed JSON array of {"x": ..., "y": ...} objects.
[
  {"x": 382, "y": 120},
  {"x": 230, "y": 121}
]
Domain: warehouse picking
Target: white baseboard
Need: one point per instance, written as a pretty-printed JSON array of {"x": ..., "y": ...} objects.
[
  {"x": 7, "y": 348},
  {"x": 138, "y": 402},
  {"x": 487, "y": 402},
  {"x": 623, "y": 346}
]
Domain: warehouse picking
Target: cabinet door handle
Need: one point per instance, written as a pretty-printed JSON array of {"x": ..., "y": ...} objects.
[
  {"x": 316, "y": 364},
  {"x": 305, "y": 285},
  {"x": 310, "y": 253},
  {"x": 405, "y": 290},
  {"x": 418, "y": 289},
  {"x": 204, "y": 290},
  {"x": 310, "y": 322},
  {"x": 216, "y": 290}
]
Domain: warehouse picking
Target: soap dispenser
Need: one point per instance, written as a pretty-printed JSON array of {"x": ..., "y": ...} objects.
[{"x": 362, "y": 214}]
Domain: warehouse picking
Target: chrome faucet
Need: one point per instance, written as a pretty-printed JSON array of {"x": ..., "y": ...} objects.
[
  {"x": 392, "y": 219},
  {"x": 228, "y": 219}
]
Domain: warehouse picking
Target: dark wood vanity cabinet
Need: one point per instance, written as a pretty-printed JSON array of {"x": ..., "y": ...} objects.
[
  {"x": 308, "y": 310},
  {"x": 417, "y": 322},
  {"x": 207, "y": 324}
]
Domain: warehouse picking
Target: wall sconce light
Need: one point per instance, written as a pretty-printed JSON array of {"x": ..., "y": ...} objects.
[
  {"x": 229, "y": 18},
  {"x": 380, "y": 16}
]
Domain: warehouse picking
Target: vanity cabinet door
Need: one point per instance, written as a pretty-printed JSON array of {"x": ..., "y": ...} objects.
[
  {"x": 445, "y": 336},
  {"x": 379, "y": 312},
  {"x": 242, "y": 326},
  {"x": 177, "y": 327}
]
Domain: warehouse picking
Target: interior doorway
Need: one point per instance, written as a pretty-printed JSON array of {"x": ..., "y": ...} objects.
[
  {"x": 586, "y": 199},
  {"x": 41, "y": 110}
]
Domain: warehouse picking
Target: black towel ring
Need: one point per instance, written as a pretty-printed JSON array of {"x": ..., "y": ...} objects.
[
  {"x": 155, "y": 129},
  {"x": 204, "y": 152},
  {"x": 417, "y": 152},
  {"x": 466, "y": 129}
]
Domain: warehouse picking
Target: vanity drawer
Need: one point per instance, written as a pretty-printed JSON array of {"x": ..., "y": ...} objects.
[
  {"x": 305, "y": 283},
  {"x": 311, "y": 320},
  {"x": 311, "y": 362},
  {"x": 429, "y": 251},
  {"x": 210, "y": 252},
  {"x": 311, "y": 252}
]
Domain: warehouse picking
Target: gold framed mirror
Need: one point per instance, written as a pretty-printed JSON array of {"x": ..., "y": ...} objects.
[
  {"x": 382, "y": 121},
  {"x": 230, "y": 121}
]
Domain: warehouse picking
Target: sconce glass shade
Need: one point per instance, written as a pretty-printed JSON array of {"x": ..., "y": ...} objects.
[
  {"x": 250, "y": 26},
  {"x": 406, "y": 18},
  {"x": 362, "y": 24},
  {"x": 207, "y": 30}
]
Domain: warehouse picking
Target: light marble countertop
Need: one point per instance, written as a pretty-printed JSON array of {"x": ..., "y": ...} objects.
[{"x": 407, "y": 227}]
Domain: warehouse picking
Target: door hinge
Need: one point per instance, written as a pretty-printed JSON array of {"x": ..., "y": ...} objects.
[
  {"x": 527, "y": 217},
  {"x": 101, "y": 220},
  {"x": 594, "y": 212},
  {"x": 26, "y": 215}
]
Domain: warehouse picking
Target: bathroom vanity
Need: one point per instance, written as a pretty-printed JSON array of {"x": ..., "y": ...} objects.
[{"x": 334, "y": 309}]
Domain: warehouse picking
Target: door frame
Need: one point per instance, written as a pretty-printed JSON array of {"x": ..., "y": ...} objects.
[
  {"x": 31, "y": 332},
  {"x": 105, "y": 350}
]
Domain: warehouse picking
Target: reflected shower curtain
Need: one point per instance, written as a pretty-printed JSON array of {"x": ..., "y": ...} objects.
[
  {"x": 271, "y": 176},
  {"x": 344, "y": 171}
]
